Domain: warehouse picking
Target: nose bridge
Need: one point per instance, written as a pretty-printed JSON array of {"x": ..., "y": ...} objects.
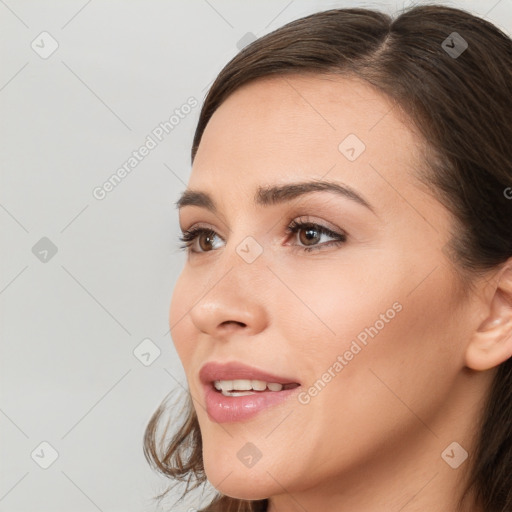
[
  {"x": 234, "y": 297},
  {"x": 243, "y": 252}
]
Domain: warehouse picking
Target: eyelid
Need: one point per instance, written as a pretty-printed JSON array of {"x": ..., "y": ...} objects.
[
  {"x": 309, "y": 219},
  {"x": 200, "y": 225}
]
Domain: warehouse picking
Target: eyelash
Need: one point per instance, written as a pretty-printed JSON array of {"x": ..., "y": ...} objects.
[{"x": 190, "y": 235}]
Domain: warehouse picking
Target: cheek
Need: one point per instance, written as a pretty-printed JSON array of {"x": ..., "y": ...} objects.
[
  {"x": 327, "y": 304},
  {"x": 349, "y": 331},
  {"x": 179, "y": 319}
]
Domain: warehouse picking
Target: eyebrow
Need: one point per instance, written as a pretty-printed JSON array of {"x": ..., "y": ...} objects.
[{"x": 276, "y": 194}]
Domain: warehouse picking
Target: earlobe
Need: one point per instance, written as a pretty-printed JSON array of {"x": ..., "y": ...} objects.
[{"x": 491, "y": 343}]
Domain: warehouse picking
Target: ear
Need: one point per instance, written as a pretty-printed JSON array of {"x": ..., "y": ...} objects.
[{"x": 491, "y": 343}]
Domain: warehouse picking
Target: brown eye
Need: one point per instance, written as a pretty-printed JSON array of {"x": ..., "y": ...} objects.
[
  {"x": 203, "y": 238},
  {"x": 309, "y": 236},
  {"x": 206, "y": 240}
]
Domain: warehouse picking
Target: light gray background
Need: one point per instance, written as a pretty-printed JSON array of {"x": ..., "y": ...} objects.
[{"x": 70, "y": 325}]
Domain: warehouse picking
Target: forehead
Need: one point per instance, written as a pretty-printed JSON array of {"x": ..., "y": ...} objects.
[{"x": 278, "y": 129}]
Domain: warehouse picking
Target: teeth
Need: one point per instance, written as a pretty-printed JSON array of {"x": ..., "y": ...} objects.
[
  {"x": 259, "y": 385},
  {"x": 242, "y": 387},
  {"x": 237, "y": 393}
]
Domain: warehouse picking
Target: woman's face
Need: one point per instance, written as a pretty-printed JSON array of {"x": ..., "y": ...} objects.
[{"x": 361, "y": 307}]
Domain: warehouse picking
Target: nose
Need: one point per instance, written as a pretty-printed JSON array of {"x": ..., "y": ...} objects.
[{"x": 232, "y": 304}]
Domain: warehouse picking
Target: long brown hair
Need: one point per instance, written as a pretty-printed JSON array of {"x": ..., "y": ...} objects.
[{"x": 461, "y": 103}]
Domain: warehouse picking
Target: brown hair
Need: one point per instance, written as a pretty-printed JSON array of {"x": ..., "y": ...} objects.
[{"x": 462, "y": 106}]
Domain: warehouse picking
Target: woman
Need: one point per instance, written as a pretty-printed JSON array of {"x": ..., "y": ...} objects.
[{"x": 344, "y": 316}]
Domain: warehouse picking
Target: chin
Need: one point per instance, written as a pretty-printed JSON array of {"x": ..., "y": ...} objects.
[{"x": 231, "y": 478}]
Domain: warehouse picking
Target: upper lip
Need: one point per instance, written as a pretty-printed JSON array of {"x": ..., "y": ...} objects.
[{"x": 213, "y": 371}]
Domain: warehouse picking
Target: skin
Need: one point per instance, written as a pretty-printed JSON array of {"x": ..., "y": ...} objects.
[{"x": 372, "y": 439}]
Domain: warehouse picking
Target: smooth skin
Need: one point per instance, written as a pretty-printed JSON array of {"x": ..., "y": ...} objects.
[{"x": 372, "y": 438}]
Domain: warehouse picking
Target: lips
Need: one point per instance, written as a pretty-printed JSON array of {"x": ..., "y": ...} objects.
[
  {"x": 213, "y": 371},
  {"x": 236, "y": 392}
]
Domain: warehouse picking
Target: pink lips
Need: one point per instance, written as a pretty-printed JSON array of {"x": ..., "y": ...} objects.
[{"x": 223, "y": 409}]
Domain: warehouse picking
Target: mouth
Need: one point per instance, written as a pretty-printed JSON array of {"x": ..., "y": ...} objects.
[
  {"x": 234, "y": 377},
  {"x": 243, "y": 387},
  {"x": 237, "y": 392}
]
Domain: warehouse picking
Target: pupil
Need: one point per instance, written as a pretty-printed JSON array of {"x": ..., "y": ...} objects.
[
  {"x": 208, "y": 238},
  {"x": 311, "y": 235}
]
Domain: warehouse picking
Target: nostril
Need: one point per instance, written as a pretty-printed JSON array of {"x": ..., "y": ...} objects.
[{"x": 229, "y": 322}]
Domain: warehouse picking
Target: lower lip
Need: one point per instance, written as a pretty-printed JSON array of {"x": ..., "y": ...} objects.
[{"x": 223, "y": 409}]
